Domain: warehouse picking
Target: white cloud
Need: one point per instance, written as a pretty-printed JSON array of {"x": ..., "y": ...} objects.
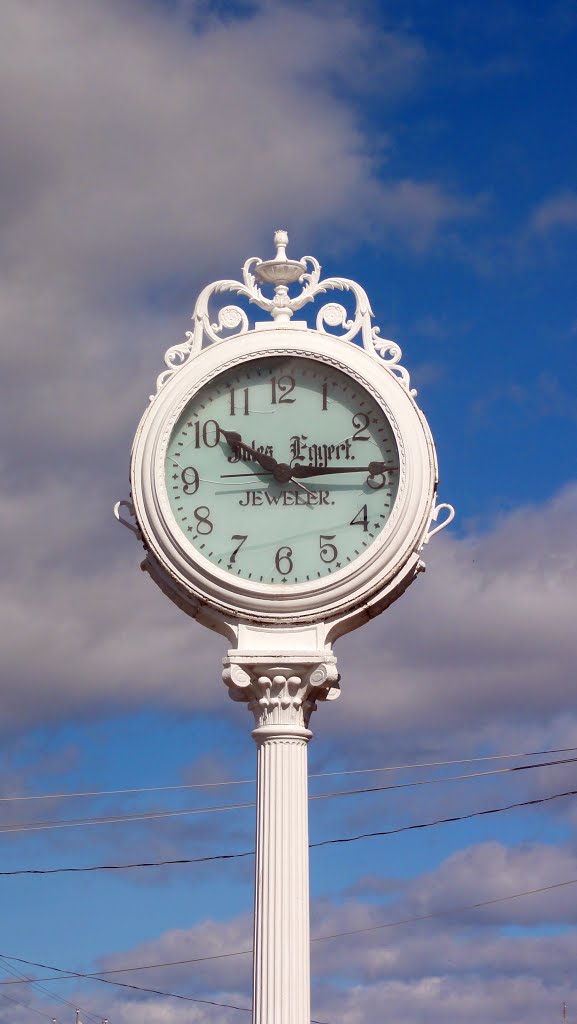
[
  {"x": 484, "y": 642},
  {"x": 135, "y": 149},
  {"x": 128, "y": 137},
  {"x": 490, "y": 871},
  {"x": 442, "y": 1000},
  {"x": 138, "y": 153},
  {"x": 486, "y": 636},
  {"x": 559, "y": 211}
]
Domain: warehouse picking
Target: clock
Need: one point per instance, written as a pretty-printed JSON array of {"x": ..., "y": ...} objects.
[
  {"x": 280, "y": 479},
  {"x": 281, "y": 470}
]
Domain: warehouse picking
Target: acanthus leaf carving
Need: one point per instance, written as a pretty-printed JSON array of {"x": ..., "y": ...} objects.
[{"x": 280, "y": 693}]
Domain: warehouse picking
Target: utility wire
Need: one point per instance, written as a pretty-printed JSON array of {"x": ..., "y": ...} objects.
[
  {"x": 63, "y": 974},
  {"x": 23, "y": 979},
  {"x": 313, "y": 775},
  {"x": 439, "y": 764},
  {"x": 445, "y": 913},
  {"x": 446, "y": 821},
  {"x": 137, "y": 988},
  {"x": 35, "y": 826},
  {"x": 323, "y": 842},
  {"x": 26, "y": 1006}
]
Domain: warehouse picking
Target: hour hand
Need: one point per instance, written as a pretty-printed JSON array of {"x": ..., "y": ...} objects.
[
  {"x": 235, "y": 441},
  {"x": 373, "y": 469}
]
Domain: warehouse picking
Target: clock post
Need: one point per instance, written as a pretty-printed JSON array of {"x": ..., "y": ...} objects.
[
  {"x": 284, "y": 484},
  {"x": 281, "y": 694}
]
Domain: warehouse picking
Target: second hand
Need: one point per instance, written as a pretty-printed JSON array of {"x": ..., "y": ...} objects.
[{"x": 266, "y": 472}]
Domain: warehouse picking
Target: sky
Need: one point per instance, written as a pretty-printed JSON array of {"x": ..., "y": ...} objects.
[{"x": 429, "y": 153}]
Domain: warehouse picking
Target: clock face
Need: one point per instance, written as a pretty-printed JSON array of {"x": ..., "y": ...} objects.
[{"x": 282, "y": 470}]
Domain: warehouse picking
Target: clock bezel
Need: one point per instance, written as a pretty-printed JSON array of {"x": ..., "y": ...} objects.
[{"x": 195, "y": 576}]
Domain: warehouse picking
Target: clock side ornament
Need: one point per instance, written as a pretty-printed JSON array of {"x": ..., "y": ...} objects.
[{"x": 283, "y": 485}]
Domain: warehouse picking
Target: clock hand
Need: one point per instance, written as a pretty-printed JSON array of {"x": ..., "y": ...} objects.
[
  {"x": 281, "y": 471},
  {"x": 263, "y": 472},
  {"x": 373, "y": 469},
  {"x": 235, "y": 441},
  {"x": 302, "y": 486}
]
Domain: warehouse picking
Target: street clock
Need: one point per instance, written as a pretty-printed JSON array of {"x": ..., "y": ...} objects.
[
  {"x": 284, "y": 474},
  {"x": 283, "y": 483}
]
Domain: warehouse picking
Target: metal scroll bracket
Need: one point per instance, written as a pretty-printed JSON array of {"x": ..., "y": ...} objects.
[
  {"x": 125, "y": 504},
  {"x": 435, "y": 515}
]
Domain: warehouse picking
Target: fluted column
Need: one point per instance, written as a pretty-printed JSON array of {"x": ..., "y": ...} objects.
[{"x": 282, "y": 698}]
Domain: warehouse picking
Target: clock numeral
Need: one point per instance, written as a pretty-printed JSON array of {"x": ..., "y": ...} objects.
[
  {"x": 284, "y": 556},
  {"x": 376, "y": 480},
  {"x": 328, "y": 551},
  {"x": 204, "y": 436},
  {"x": 361, "y": 421},
  {"x": 241, "y": 537},
  {"x": 325, "y": 404},
  {"x": 201, "y": 514},
  {"x": 190, "y": 480},
  {"x": 233, "y": 401},
  {"x": 281, "y": 389},
  {"x": 361, "y": 519}
]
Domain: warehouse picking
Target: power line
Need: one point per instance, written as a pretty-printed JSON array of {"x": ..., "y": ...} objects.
[
  {"x": 34, "y": 982},
  {"x": 445, "y": 913},
  {"x": 46, "y": 826},
  {"x": 35, "y": 826},
  {"x": 440, "y": 764},
  {"x": 63, "y": 974},
  {"x": 313, "y": 775},
  {"x": 27, "y": 1007},
  {"x": 445, "y": 778},
  {"x": 446, "y": 821},
  {"x": 137, "y": 988},
  {"x": 323, "y": 842}
]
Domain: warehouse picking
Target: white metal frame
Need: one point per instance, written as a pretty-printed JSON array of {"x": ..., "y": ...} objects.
[{"x": 197, "y": 579}]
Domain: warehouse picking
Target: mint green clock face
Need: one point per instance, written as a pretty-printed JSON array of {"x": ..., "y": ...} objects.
[{"x": 282, "y": 470}]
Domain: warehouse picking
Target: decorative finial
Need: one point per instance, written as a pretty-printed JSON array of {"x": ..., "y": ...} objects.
[
  {"x": 281, "y": 272},
  {"x": 281, "y": 241}
]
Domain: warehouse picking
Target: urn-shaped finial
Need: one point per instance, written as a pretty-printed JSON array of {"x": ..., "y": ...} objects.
[{"x": 280, "y": 271}]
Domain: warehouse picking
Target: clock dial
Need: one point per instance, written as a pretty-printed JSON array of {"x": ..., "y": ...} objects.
[{"x": 282, "y": 470}]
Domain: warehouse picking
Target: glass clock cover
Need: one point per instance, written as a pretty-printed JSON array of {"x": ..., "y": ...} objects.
[{"x": 281, "y": 470}]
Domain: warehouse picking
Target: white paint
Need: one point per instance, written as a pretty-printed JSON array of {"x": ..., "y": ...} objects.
[
  {"x": 282, "y": 698},
  {"x": 281, "y": 661}
]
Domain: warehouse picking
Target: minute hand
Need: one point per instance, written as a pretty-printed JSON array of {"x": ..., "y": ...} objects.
[{"x": 373, "y": 469}]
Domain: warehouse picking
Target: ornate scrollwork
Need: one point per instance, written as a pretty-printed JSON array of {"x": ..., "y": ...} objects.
[{"x": 282, "y": 272}]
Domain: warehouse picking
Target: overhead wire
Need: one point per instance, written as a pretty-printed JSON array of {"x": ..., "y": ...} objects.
[
  {"x": 63, "y": 974},
  {"x": 155, "y": 815},
  {"x": 35, "y": 983},
  {"x": 27, "y": 1006},
  {"x": 322, "y": 842},
  {"x": 312, "y": 775},
  {"x": 137, "y": 988}
]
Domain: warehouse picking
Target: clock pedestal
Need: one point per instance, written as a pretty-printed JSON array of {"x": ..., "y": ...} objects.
[{"x": 281, "y": 693}]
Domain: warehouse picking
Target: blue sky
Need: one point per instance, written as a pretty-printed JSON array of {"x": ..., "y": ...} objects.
[{"x": 428, "y": 152}]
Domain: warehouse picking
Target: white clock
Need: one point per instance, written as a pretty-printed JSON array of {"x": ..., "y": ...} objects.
[{"x": 283, "y": 475}]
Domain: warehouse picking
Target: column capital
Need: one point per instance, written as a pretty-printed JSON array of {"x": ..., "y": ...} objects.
[{"x": 281, "y": 690}]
